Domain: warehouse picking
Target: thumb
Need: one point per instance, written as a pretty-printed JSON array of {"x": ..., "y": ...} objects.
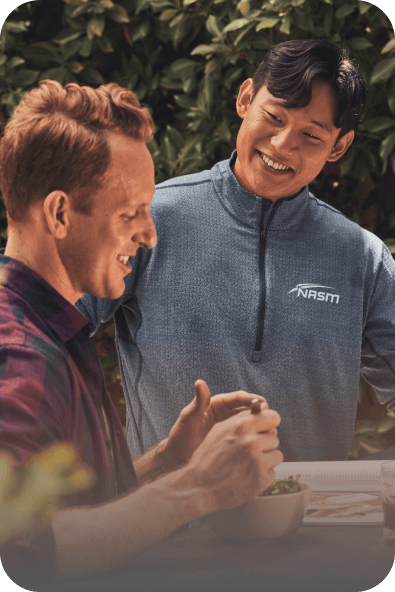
[{"x": 202, "y": 397}]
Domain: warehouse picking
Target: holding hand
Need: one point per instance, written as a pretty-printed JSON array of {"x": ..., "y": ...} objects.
[{"x": 196, "y": 419}]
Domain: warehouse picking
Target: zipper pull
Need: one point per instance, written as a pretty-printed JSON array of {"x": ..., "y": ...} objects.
[{"x": 263, "y": 233}]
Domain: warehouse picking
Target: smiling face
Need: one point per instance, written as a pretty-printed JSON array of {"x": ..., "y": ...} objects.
[
  {"x": 279, "y": 150},
  {"x": 96, "y": 250}
]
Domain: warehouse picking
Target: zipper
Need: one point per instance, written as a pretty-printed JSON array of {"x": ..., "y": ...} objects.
[{"x": 257, "y": 353}]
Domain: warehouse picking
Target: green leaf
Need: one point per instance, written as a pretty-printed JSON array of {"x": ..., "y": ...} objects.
[
  {"x": 92, "y": 76},
  {"x": 391, "y": 103},
  {"x": 14, "y": 27},
  {"x": 95, "y": 26},
  {"x": 141, "y": 5},
  {"x": 118, "y": 14},
  {"x": 3, "y": 59},
  {"x": 25, "y": 77},
  {"x": 168, "y": 14},
  {"x": 388, "y": 46},
  {"x": 360, "y": 43},
  {"x": 386, "y": 424},
  {"x": 168, "y": 151},
  {"x": 188, "y": 2},
  {"x": 345, "y": 10},
  {"x": 266, "y": 23},
  {"x": 304, "y": 21},
  {"x": 208, "y": 93},
  {"x": 184, "y": 101},
  {"x": 15, "y": 61},
  {"x": 387, "y": 146},
  {"x": 175, "y": 137},
  {"x": 57, "y": 74},
  {"x": 347, "y": 161},
  {"x": 297, "y": 2},
  {"x": 105, "y": 44},
  {"x": 176, "y": 20},
  {"x": 363, "y": 6},
  {"x": 67, "y": 35},
  {"x": 378, "y": 124},
  {"x": 141, "y": 31},
  {"x": 204, "y": 49},
  {"x": 183, "y": 68},
  {"x": 76, "y": 67},
  {"x": 234, "y": 25},
  {"x": 383, "y": 71},
  {"x": 86, "y": 47},
  {"x": 286, "y": 25},
  {"x": 213, "y": 25},
  {"x": 243, "y": 6}
]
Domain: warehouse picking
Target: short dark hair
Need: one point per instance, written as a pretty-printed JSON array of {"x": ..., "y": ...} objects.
[
  {"x": 289, "y": 69},
  {"x": 57, "y": 140}
]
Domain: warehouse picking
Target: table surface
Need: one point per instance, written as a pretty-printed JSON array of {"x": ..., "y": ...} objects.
[
  {"x": 313, "y": 559},
  {"x": 316, "y": 558}
]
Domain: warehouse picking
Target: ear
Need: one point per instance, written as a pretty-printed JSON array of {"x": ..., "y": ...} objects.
[
  {"x": 57, "y": 213},
  {"x": 244, "y": 98},
  {"x": 341, "y": 146}
]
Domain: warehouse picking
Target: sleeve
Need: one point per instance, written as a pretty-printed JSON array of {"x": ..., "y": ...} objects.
[
  {"x": 100, "y": 310},
  {"x": 378, "y": 339},
  {"x": 34, "y": 395}
]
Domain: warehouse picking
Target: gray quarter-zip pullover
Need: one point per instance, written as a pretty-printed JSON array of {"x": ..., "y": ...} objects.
[{"x": 291, "y": 301}]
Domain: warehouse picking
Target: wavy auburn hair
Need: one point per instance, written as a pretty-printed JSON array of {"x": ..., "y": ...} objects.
[{"x": 56, "y": 140}]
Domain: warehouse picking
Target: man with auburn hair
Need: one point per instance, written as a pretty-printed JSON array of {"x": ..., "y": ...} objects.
[
  {"x": 78, "y": 180},
  {"x": 257, "y": 283}
]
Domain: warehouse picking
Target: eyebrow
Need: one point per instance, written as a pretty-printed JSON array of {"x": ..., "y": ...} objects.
[{"x": 280, "y": 103}]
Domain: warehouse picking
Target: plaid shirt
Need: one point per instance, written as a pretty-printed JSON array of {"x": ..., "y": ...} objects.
[{"x": 52, "y": 385}]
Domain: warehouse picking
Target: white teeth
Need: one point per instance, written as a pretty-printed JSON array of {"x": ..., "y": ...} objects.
[
  {"x": 123, "y": 259},
  {"x": 272, "y": 164}
]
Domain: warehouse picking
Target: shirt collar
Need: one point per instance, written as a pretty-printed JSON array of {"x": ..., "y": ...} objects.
[
  {"x": 57, "y": 312},
  {"x": 246, "y": 207}
]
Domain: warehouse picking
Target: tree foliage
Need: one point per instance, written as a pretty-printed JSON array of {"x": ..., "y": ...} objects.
[{"x": 185, "y": 61}]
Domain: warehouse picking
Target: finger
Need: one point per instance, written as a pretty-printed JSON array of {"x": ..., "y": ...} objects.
[
  {"x": 202, "y": 396},
  {"x": 265, "y": 421},
  {"x": 239, "y": 399},
  {"x": 268, "y": 441}
]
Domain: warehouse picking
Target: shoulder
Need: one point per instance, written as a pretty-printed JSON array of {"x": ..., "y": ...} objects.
[
  {"x": 344, "y": 229},
  {"x": 179, "y": 190},
  {"x": 24, "y": 334}
]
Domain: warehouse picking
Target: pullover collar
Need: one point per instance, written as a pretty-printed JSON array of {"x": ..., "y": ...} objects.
[{"x": 246, "y": 207}]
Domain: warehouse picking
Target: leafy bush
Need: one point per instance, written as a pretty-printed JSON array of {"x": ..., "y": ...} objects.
[{"x": 185, "y": 60}]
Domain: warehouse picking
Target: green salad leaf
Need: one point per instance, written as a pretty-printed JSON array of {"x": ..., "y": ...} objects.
[{"x": 281, "y": 486}]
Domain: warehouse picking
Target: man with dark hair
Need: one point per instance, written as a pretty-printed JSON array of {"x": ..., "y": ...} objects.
[
  {"x": 78, "y": 180},
  {"x": 255, "y": 282}
]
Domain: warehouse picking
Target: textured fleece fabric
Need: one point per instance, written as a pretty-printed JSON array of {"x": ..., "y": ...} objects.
[{"x": 291, "y": 301}]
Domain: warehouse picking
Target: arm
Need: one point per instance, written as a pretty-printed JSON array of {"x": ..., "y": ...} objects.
[
  {"x": 378, "y": 339},
  {"x": 233, "y": 464}
]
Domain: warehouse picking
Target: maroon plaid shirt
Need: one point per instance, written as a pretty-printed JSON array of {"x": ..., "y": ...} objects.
[{"x": 52, "y": 386}]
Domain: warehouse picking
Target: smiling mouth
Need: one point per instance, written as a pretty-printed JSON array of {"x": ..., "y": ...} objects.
[
  {"x": 124, "y": 259},
  {"x": 276, "y": 166}
]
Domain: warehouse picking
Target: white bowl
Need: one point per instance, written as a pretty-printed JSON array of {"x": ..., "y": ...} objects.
[{"x": 262, "y": 519}]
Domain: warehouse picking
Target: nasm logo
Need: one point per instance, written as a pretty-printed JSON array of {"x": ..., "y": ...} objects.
[{"x": 316, "y": 292}]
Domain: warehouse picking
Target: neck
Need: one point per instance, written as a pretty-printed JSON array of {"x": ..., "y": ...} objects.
[{"x": 37, "y": 250}]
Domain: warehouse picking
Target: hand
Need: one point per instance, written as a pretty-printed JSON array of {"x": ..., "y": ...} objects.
[
  {"x": 196, "y": 419},
  {"x": 235, "y": 461}
]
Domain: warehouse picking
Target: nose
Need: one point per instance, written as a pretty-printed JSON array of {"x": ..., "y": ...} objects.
[
  {"x": 284, "y": 141},
  {"x": 145, "y": 236}
]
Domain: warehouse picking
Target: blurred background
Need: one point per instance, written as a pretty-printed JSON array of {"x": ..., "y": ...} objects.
[{"x": 185, "y": 61}]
